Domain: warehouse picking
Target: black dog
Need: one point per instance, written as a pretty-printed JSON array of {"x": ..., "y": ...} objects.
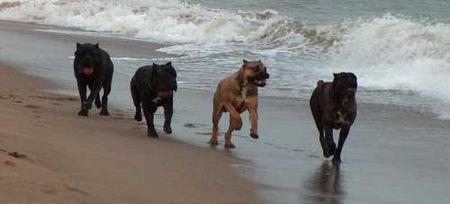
[
  {"x": 333, "y": 106},
  {"x": 153, "y": 86},
  {"x": 93, "y": 68}
]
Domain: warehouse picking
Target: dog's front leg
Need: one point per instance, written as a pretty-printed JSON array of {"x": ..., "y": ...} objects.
[
  {"x": 94, "y": 93},
  {"x": 149, "y": 111},
  {"x": 342, "y": 136},
  {"x": 235, "y": 124},
  {"x": 329, "y": 146},
  {"x": 253, "y": 113},
  {"x": 168, "y": 112},
  {"x": 82, "y": 91}
]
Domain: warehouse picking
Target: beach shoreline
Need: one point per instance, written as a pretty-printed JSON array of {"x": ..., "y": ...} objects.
[{"x": 65, "y": 158}]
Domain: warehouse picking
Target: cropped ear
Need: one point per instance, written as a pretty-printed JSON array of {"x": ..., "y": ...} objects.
[
  {"x": 169, "y": 63},
  {"x": 172, "y": 71},
  {"x": 154, "y": 70},
  {"x": 96, "y": 45},
  {"x": 78, "y": 45},
  {"x": 245, "y": 61}
]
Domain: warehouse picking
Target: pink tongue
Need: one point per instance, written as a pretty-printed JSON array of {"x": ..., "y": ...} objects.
[{"x": 88, "y": 70}]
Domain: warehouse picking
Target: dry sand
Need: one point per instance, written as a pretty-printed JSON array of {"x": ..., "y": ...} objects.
[{"x": 72, "y": 159}]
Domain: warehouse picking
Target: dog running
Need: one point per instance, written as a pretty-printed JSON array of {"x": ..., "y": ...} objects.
[
  {"x": 333, "y": 106},
  {"x": 236, "y": 94}
]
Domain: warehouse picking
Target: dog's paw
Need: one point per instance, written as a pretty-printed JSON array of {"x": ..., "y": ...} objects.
[
  {"x": 138, "y": 117},
  {"x": 98, "y": 104},
  {"x": 87, "y": 106},
  {"x": 229, "y": 146},
  {"x": 168, "y": 130},
  {"x": 326, "y": 154},
  {"x": 83, "y": 112},
  {"x": 337, "y": 160},
  {"x": 213, "y": 142},
  {"x": 104, "y": 112},
  {"x": 254, "y": 136},
  {"x": 152, "y": 134}
]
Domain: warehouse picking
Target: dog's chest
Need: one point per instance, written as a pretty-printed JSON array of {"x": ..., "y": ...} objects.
[
  {"x": 241, "y": 100},
  {"x": 244, "y": 94},
  {"x": 341, "y": 117}
]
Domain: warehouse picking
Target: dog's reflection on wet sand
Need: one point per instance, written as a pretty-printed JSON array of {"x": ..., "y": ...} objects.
[{"x": 326, "y": 185}]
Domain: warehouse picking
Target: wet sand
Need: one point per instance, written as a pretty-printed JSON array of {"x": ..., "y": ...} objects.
[{"x": 393, "y": 154}]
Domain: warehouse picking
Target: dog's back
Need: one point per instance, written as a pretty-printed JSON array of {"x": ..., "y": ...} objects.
[{"x": 141, "y": 82}]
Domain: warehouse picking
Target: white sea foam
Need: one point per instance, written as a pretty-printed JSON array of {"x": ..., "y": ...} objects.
[
  {"x": 391, "y": 53},
  {"x": 388, "y": 53}
]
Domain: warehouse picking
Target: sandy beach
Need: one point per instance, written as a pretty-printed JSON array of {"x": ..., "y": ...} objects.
[
  {"x": 64, "y": 158},
  {"x": 394, "y": 154}
]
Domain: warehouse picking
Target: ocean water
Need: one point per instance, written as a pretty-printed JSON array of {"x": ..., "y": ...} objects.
[{"x": 400, "y": 50}]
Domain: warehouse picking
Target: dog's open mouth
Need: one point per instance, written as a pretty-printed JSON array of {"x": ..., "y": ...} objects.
[
  {"x": 260, "y": 82},
  {"x": 88, "y": 70},
  {"x": 351, "y": 90}
]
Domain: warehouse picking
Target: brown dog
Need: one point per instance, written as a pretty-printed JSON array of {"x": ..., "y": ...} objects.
[{"x": 236, "y": 94}]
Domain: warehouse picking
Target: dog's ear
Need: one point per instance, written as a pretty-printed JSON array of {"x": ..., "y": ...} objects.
[
  {"x": 169, "y": 63},
  {"x": 96, "y": 45},
  {"x": 78, "y": 45},
  {"x": 335, "y": 75},
  {"x": 172, "y": 71},
  {"x": 245, "y": 61},
  {"x": 154, "y": 70}
]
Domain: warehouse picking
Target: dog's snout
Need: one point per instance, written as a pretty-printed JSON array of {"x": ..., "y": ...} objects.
[{"x": 266, "y": 75}]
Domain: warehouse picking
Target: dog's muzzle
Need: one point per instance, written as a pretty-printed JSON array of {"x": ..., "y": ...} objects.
[{"x": 261, "y": 80}]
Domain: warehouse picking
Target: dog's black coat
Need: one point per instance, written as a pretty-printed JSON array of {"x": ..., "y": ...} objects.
[
  {"x": 91, "y": 57},
  {"x": 151, "y": 87},
  {"x": 333, "y": 106}
]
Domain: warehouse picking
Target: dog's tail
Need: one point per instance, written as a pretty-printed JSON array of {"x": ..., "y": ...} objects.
[{"x": 319, "y": 83}]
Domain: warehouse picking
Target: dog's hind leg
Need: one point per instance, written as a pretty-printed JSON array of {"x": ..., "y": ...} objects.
[
  {"x": 216, "y": 115},
  {"x": 342, "y": 136},
  {"x": 98, "y": 103},
  {"x": 137, "y": 103}
]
